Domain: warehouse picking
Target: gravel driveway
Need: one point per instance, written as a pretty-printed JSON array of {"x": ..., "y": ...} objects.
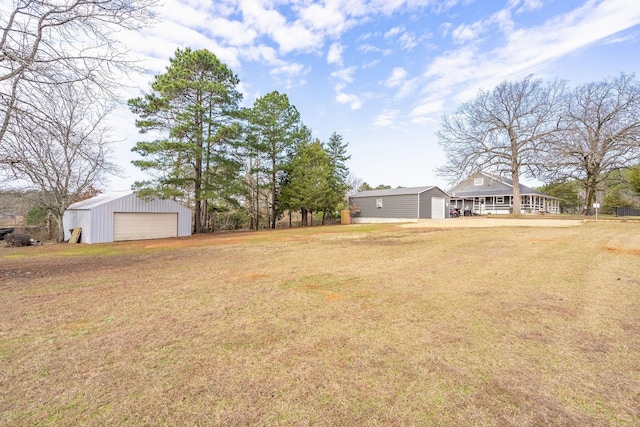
[{"x": 493, "y": 222}]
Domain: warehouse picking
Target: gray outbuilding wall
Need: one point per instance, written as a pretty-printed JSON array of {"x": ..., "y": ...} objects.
[{"x": 397, "y": 205}]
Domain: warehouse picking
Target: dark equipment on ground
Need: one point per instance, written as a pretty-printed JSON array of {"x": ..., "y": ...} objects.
[
  {"x": 17, "y": 240},
  {"x": 4, "y": 232}
]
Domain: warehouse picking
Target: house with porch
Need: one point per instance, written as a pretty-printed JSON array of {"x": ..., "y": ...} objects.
[{"x": 483, "y": 193}]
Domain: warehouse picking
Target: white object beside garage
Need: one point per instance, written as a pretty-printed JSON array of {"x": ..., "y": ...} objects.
[{"x": 122, "y": 215}]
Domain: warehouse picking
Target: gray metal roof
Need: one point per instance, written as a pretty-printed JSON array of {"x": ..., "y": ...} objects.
[
  {"x": 393, "y": 192},
  {"x": 524, "y": 190},
  {"x": 100, "y": 199}
]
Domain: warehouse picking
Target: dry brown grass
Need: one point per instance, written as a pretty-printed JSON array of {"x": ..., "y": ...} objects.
[{"x": 357, "y": 325}]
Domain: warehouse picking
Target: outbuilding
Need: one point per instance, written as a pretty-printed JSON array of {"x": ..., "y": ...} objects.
[
  {"x": 399, "y": 205},
  {"x": 122, "y": 215}
]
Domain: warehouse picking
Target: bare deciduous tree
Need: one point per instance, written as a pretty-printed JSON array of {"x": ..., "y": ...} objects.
[
  {"x": 63, "y": 151},
  {"x": 354, "y": 182},
  {"x": 46, "y": 43},
  {"x": 602, "y": 134},
  {"x": 503, "y": 131}
]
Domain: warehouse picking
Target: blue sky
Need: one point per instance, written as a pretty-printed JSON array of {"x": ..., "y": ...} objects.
[{"x": 383, "y": 72}]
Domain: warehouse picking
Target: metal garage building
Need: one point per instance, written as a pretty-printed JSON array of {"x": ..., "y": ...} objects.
[
  {"x": 399, "y": 205},
  {"x": 122, "y": 215}
]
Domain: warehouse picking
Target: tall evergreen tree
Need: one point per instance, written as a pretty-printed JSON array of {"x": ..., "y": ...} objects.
[
  {"x": 194, "y": 106},
  {"x": 634, "y": 179},
  {"x": 337, "y": 150},
  {"x": 309, "y": 180},
  {"x": 276, "y": 131}
]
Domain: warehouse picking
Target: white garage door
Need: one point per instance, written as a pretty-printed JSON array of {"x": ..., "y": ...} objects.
[
  {"x": 437, "y": 208},
  {"x": 141, "y": 226}
]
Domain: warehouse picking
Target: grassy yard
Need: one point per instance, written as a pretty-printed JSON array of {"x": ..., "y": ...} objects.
[{"x": 344, "y": 325}]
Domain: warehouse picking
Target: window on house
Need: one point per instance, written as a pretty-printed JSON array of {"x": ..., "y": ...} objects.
[
  {"x": 499, "y": 199},
  {"x": 378, "y": 203},
  {"x": 478, "y": 181}
]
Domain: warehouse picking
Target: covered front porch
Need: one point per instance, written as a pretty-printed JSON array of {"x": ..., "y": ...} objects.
[{"x": 496, "y": 205}]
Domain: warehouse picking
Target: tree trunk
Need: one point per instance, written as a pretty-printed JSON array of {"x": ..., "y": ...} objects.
[
  {"x": 273, "y": 193},
  {"x": 590, "y": 190},
  {"x": 197, "y": 194},
  {"x": 257, "y": 212},
  {"x": 60, "y": 227},
  {"x": 517, "y": 206},
  {"x": 50, "y": 228}
]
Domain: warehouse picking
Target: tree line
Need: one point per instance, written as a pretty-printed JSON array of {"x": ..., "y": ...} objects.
[
  {"x": 220, "y": 158},
  {"x": 61, "y": 69},
  {"x": 547, "y": 131}
]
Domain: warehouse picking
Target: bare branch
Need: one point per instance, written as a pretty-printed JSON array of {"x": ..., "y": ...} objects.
[{"x": 47, "y": 43}]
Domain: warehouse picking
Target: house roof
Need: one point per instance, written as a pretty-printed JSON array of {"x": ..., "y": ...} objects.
[
  {"x": 483, "y": 192},
  {"x": 100, "y": 199},
  {"x": 394, "y": 192}
]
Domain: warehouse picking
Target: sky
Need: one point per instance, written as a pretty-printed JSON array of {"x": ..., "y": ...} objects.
[{"x": 382, "y": 73}]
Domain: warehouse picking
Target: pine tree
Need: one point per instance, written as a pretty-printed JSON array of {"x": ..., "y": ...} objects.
[{"x": 194, "y": 106}]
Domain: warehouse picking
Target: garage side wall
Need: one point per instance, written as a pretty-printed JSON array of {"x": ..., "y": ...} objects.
[
  {"x": 425, "y": 202},
  {"x": 73, "y": 218},
  {"x": 103, "y": 215},
  {"x": 400, "y": 206}
]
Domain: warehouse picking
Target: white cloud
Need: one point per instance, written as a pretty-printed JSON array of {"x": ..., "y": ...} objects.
[
  {"x": 526, "y": 5},
  {"x": 325, "y": 17},
  {"x": 161, "y": 41},
  {"x": 408, "y": 41},
  {"x": 427, "y": 111},
  {"x": 263, "y": 53},
  {"x": 334, "y": 56},
  {"x": 297, "y": 37},
  {"x": 394, "y": 32},
  {"x": 464, "y": 33},
  {"x": 408, "y": 88},
  {"x": 397, "y": 76},
  {"x": 621, "y": 39},
  {"x": 353, "y": 100},
  {"x": 503, "y": 19},
  {"x": 289, "y": 69},
  {"x": 187, "y": 15},
  {"x": 371, "y": 64},
  {"x": 345, "y": 74},
  {"x": 233, "y": 32},
  {"x": 527, "y": 50},
  {"x": 369, "y": 48},
  {"x": 445, "y": 27},
  {"x": 386, "y": 118}
]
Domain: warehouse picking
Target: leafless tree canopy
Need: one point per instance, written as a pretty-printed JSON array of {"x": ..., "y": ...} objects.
[
  {"x": 502, "y": 131},
  {"x": 63, "y": 151},
  {"x": 601, "y": 135},
  {"x": 51, "y": 42}
]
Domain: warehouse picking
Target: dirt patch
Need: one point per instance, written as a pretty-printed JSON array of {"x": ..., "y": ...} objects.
[{"x": 623, "y": 250}]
